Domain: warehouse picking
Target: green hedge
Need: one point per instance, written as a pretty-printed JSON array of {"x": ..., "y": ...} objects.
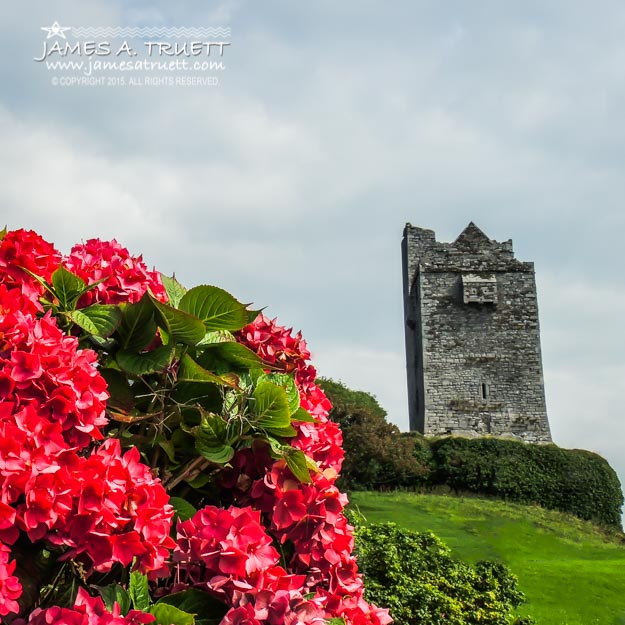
[
  {"x": 379, "y": 457},
  {"x": 571, "y": 480},
  {"x": 414, "y": 575}
]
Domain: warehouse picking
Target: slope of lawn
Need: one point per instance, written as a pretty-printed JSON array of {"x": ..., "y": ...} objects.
[{"x": 570, "y": 572}]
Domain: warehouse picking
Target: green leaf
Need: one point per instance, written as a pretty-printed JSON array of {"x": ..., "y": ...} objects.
[
  {"x": 148, "y": 362},
  {"x": 217, "y": 336},
  {"x": 213, "y": 427},
  {"x": 276, "y": 446},
  {"x": 99, "y": 319},
  {"x": 184, "y": 510},
  {"x": 191, "y": 371},
  {"x": 312, "y": 465},
  {"x": 303, "y": 415},
  {"x": 271, "y": 407},
  {"x": 139, "y": 591},
  {"x": 288, "y": 384},
  {"x": 219, "y": 453},
  {"x": 218, "y": 356},
  {"x": 166, "y": 614},
  {"x": 168, "y": 447},
  {"x": 3, "y": 233},
  {"x": 100, "y": 343},
  {"x": 121, "y": 395},
  {"x": 198, "y": 393},
  {"x": 181, "y": 325},
  {"x": 68, "y": 287},
  {"x": 215, "y": 307},
  {"x": 114, "y": 593},
  {"x": 174, "y": 289},
  {"x": 210, "y": 440},
  {"x": 201, "y": 480},
  {"x": 82, "y": 320},
  {"x": 252, "y": 314},
  {"x": 296, "y": 461},
  {"x": 336, "y": 621},
  {"x": 206, "y": 609},
  {"x": 286, "y": 432},
  {"x": 138, "y": 328}
]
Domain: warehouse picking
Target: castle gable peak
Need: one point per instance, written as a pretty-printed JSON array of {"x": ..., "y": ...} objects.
[{"x": 473, "y": 239}]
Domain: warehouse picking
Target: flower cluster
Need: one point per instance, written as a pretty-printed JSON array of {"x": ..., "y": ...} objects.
[
  {"x": 98, "y": 506},
  {"x": 228, "y": 553},
  {"x": 275, "y": 344},
  {"x": 125, "y": 278},
  {"x": 105, "y": 507},
  {"x": 118, "y": 512},
  {"x": 88, "y": 610},
  {"x": 309, "y": 516},
  {"x": 22, "y": 250},
  {"x": 41, "y": 366}
]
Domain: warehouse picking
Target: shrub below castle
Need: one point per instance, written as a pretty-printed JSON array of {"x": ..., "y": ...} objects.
[
  {"x": 416, "y": 577},
  {"x": 571, "y": 480},
  {"x": 379, "y": 457}
]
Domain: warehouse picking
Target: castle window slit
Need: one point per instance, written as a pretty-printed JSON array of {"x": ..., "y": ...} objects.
[{"x": 484, "y": 390}]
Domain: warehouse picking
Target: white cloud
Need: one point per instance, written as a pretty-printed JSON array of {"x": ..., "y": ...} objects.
[
  {"x": 55, "y": 186},
  {"x": 381, "y": 373}
]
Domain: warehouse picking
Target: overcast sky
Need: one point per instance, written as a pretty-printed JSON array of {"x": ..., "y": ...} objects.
[{"x": 332, "y": 125}]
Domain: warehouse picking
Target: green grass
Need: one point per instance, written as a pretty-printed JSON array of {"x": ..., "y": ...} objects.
[{"x": 570, "y": 571}]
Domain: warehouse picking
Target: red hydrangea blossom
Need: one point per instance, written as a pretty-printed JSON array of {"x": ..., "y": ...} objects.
[
  {"x": 116, "y": 511},
  {"x": 43, "y": 367},
  {"x": 10, "y": 587},
  {"x": 228, "y": 553},
  {"x": 21, "y": 249},
  {"x": 33, "y": 454},
  {"x": 125, "y": 278},
  {"x": 105, "y": 508},
  {"x": 274, "y": 343},
  {"x": 218, "y": 547}
]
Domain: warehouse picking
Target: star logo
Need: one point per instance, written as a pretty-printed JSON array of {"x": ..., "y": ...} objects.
[{"x": 56, "y": 30}]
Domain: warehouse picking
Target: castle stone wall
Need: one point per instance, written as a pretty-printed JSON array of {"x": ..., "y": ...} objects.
[{"x": 472, "y": 338}]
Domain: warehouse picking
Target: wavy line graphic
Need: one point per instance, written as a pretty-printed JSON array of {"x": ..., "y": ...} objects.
[{"x": 111, "y": 32}]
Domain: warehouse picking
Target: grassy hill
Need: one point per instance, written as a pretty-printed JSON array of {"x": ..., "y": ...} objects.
[{"x": 571, "y": 572}]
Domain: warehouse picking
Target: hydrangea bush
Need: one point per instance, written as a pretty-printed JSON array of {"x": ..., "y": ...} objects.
[{"x": 165, "y": 454}]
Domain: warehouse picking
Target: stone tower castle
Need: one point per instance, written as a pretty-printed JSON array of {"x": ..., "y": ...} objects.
[{"x": 472, "y": 338}]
